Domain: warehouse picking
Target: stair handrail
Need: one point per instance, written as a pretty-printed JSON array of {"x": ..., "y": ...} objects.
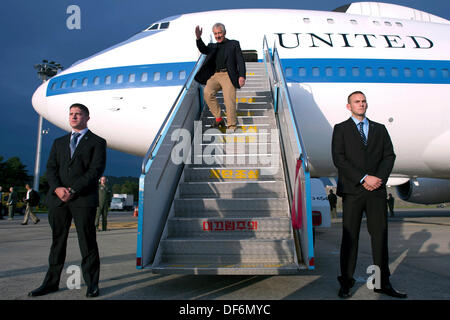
[
  {"x": 157, "y": 187},
  {"x": 298, "y": 182},
  {"x": 280, "y": 82},
  {"x": 166, "y": 123},
  {"x": 267, "y": 52}
]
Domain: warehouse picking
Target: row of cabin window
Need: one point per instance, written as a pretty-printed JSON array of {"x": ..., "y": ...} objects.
[
  {"x": 353, "y": 21},
  {"x": 369, "y": 72},
  {"x": 120, "y": 79}
]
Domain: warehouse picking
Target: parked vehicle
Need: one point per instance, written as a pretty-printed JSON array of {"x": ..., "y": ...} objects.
[{"x": 121, "y": 201}]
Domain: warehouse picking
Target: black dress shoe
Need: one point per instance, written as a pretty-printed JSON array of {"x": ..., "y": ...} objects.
[
  {"x": 390, "y": 291},
  {"x": 346, "y": 285},
  {"x": 344, "y": 292},
  {"x": 92, "y": 292},
  {"x": 42, "y": 290}
]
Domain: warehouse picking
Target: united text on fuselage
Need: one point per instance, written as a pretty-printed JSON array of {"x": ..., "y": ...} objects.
[{"x": 346, "y": 40}]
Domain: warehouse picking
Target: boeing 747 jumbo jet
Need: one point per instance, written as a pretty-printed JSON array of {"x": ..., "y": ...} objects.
[{"x": 398, "y": 56}]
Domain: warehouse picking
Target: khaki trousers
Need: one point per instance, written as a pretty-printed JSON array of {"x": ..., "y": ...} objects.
[
  {"x": 29, "y": 214},
  {"x": 221, "y": 80}
]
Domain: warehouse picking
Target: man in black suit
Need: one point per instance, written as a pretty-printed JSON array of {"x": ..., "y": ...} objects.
[
  {"x": 75, "y": 164},
  {"x": 364, "y": 156},
  {"x": 223, "y": 69}
]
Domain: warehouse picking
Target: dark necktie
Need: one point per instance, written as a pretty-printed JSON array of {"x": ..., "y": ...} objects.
[
  {"x": 361, "y": 132},
  {"x": 73, "y": 142}
]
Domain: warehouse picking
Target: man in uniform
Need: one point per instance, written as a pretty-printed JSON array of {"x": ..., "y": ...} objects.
[
  {"x": 12, "y": 202},
  {"x": 332, "y": 199},
  {"x": 390, "y": 202},
  {"x": 104, "y": 198}
]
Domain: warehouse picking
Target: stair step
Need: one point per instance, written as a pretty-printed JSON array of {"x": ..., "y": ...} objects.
[
  {"x": 244, "y": 143},
  {"x": 240, "y": 133},
  {"x": 232, "y": 189},
  {"x": 242, "y": 120},
  {"x": 234, "y": 174},
  {"x": 180, "y": 258},
  {"x": 269, "y": 161},
  {"x": 253, "y": 106},
  {"x": 231, "y": 145},
  {"x": 236, "y": 160},
  {"x": 257, "y": 80},
  {"x": 231, "y": 250},
  {"x": 226, "y": 228},
  {"x": 229, "y": 208},
  {"x": 247, "y": 97},
  {"x": 242, "y": 111},
  {"x": 242, "y": 128},
  {"x": 228, "y": 269},
  {"x": 241, "y": 148},
  {"x": 253, "y": 87}
]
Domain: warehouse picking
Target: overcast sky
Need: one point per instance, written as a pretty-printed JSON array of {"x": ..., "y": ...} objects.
[{"x": 34, "y": 30}]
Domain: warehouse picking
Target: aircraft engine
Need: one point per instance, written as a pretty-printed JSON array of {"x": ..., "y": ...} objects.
[{"x": 425, "y": 191}]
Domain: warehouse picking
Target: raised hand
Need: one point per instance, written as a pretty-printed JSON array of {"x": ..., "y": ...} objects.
[{"x": 198, "y": 32}]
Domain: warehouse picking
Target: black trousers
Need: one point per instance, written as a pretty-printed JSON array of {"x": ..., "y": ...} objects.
[
  {"x": 60, "y": 219},
  {"x": 376, "y": 213}
]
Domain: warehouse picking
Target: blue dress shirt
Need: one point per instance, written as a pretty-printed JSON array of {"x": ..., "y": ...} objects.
[{"x": 366, "y": 132}]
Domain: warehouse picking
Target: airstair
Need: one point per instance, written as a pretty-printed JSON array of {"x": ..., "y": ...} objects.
[{"x": 213, "y": 202}]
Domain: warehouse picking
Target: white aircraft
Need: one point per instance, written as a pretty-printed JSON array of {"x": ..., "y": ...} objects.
[{"x": 398, "y": 56}]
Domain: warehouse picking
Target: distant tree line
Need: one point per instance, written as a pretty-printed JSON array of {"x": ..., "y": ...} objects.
[
  {"x": 127, "y": 185},
  {"x": 13, "y": 173}
]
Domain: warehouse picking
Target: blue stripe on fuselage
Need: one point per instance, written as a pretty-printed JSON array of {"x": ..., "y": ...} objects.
[
  {"x": 366, "y": 70},
  {"x": 140, "y": 76},
  {"x": 296, "y": 71}
]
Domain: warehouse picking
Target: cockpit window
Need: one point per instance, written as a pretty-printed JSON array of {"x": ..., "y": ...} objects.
[
  {"x": 153, "y": 27},
  {"x": 158, "y": 26}
]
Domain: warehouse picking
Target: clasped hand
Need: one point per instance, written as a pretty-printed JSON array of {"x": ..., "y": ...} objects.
[
  {"x": 63, "y": 193},
  {"x": 372, "y": 183}
]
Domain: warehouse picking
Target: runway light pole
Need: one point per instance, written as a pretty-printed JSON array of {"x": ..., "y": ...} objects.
[{"x": 45, "y": 71}]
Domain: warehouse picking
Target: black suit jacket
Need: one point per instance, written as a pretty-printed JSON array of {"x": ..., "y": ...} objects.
[
  {"x": 32, "y": 200},
  {"x": 81, "y": 172},
  {"x": 234, "y": 61},
  {"x": 354, "y": 160}
]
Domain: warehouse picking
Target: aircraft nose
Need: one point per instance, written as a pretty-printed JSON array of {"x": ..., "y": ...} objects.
[{"x": 39, "y": 99}]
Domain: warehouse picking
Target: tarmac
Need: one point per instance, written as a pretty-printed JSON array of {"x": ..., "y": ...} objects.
[{"x": 419, "y": 248}]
